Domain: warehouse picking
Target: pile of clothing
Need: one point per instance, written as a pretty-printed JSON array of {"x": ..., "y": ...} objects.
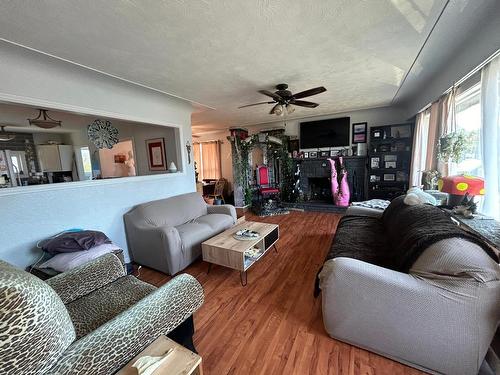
[{"x": 72, "y": 248}]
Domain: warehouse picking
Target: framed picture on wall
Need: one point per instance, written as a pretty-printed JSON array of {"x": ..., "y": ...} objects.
[
  {"x": 313, "y": 154},
  {"x": 306, "y": 155},
  {"x": 359, "y": 132},
  {"x": 324, "y": 154},
  {"x": 389, "y": 177},
  {"x": 156, "y": 154},
  {"x": 375, "y": 162}
]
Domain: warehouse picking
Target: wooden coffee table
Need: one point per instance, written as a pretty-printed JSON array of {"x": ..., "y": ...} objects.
[{"x": 227, "y": 251}]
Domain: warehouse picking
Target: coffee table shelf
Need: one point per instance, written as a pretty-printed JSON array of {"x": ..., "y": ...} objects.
[{"x": 227, "y": 251}]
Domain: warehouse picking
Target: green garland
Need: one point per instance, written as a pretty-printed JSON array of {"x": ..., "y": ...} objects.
[{"x": 275, "y": 151}]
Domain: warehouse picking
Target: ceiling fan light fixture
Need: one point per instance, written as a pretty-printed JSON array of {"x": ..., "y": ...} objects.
[
  {"x": 278, "y": 111},
  {"x": 4, "y": 136},
  {"x": 44, "y": 121},
  {"x": 290, "y": 109}
]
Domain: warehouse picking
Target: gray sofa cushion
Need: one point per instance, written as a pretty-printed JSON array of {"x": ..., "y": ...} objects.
[
  {"x": 171, "y": 211},
  {"x": 218, "y": 222}
]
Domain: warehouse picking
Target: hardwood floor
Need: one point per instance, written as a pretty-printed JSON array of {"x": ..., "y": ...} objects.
[{"x": 274, "y": 325}]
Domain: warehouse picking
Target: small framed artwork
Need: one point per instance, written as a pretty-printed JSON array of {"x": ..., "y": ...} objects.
[
  {"x": 359, "y": 132},
  {"x": 390, "y": 158},
  {"x": 375, "y": 163},
  {"x": 390, "y": 164},
  {"x": 389, "y": 177},
  {"x": 156, "y": 154},
  {"x": 333, "y": 153},
  {"x": 324, "y": 154},
  {"x": 313, "y": 154},
  {"x": 306, "y": 155},
  {"x": 374, "y": 178}
]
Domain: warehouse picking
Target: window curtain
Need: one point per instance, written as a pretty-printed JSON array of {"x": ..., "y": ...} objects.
[
  {"x": 490, "y": 136},
  {"x": 210, "y": 160},
  {"x": 419, "y": 155},
  {"x": 197, "y": 160},
  {"x": 431, "y": 124}
]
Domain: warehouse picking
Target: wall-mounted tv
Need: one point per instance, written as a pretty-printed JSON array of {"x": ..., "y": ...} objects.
[{"x": 325, "y": 133}]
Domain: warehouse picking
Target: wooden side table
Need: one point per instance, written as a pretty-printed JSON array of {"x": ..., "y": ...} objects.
[{"x": 180, "y": 362}]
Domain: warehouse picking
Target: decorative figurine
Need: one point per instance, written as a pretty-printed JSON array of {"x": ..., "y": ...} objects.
[{"x": 188, "y": 148}]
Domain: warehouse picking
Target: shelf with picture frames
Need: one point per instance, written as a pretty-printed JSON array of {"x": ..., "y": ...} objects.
[{"x": 389, "y": 160}]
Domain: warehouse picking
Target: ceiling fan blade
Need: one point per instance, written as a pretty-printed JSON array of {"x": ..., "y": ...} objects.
[
  {"x": 303, "y": 103},
  {"x": 272, "y": 95},
  {"x": 251, "y": 105},
  {"x": 274, "y": 109},
  {"x": 310, "y": 92}
]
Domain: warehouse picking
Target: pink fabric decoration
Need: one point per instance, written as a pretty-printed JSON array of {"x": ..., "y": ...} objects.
[{"x": 341, "y": 194}]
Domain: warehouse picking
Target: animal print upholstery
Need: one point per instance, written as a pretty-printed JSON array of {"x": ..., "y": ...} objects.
[
  {"x": 96, "y": 308},
  {"x": 35, "y": 328},
  {"x": 112, "y": 345},
  {"x": 86, "y": 278}
]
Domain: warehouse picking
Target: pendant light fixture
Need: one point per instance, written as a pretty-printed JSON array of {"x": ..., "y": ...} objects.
[
  {"x": 43, "y": 120},
  {"x": 4, "y": 136}
]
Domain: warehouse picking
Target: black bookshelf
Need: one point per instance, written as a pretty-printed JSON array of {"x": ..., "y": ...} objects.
[{"x": 389, "y": 160}]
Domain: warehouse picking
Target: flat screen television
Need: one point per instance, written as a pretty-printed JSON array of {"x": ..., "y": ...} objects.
[{"x": 325, "y": 133}]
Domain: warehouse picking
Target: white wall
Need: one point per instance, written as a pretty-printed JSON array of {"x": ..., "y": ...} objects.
[{"x": 33, "y": 213}]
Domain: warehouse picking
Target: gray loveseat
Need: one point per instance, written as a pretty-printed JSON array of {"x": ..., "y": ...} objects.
[
  {"x": 166, "y": 234},
  {"x": 409, "y": 285}
]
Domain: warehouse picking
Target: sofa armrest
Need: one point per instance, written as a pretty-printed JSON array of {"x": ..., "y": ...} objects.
[
  {"x": 84, "y": 279},
  {"x": 364, "y": 211},
  {"x": 226, "y": 209},
  {"x": 155, "y": 247},
  {"x": 111, "y": 346},
  {"x": 405, "y": 317}
]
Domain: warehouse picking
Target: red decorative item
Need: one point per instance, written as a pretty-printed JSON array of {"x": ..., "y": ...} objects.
[{"x": 461, "y": 185}]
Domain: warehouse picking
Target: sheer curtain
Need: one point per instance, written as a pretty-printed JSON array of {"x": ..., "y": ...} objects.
[
  {"x": 197, "y": 160},
  {"x": 490, "y": 136},
  {"x": 210, "y": 160},
  {"x": 419, "y": 155}
]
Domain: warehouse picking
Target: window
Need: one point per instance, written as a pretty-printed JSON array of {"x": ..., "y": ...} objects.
[
  {"x": 468, "y": 120},
  {"x": 207, "y": 158}
]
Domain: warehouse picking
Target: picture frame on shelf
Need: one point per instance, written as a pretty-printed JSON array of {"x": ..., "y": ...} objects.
[
  {"x": 359, "y": 131},
  {"x": 157, "y": 160},
  {"x": 324, "y": 154},
  {"x": 403, "y": 131},
  {"x": 313, "y": 154},
  {"x": 389, "y": 177},
  {"x": 306, "y": 155},
  {"x": 390, "y": 164},
  {"x": 333, "y": 153},
  {"x": 374, "y": 178},
  {"x": 375, "y": 162}
]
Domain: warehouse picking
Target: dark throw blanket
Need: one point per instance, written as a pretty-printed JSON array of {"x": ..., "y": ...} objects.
[{"x": 397, "y": 239}]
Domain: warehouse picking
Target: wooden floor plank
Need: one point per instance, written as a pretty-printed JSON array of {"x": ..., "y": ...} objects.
[{"x": 274, "y": 325}]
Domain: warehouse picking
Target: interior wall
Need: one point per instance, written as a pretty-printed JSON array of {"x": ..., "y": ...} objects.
[
  {"x": 31, "y": 214},
  {"x": 373, "y": 116}
]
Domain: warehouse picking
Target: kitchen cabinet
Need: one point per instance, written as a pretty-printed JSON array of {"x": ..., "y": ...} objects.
[{"x": 55, "y": 158}]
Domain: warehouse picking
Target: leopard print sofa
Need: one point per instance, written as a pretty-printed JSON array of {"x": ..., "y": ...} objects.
[{"x": 37, "y": 333}]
